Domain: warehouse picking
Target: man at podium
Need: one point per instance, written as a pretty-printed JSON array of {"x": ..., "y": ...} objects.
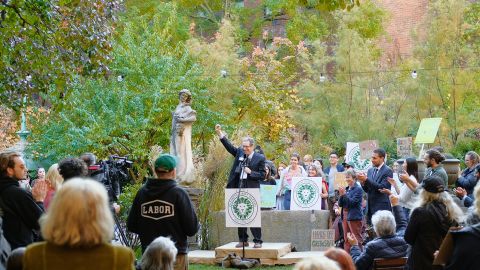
[{"x": 247, "y": 171}]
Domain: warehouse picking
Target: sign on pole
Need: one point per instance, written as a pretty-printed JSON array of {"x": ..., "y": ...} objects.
[
  {"x": 367, "y": 147},
  {"x": 306, "y": 193},
  {"x": 404, "y": 147},
  {"x": 353, "y": 155},
  {"x": 428, "y": 130},
  {"x": 242, "y": 208},
  {"x": 268, "y": 196},
  {"x": 322, "y": 240}
]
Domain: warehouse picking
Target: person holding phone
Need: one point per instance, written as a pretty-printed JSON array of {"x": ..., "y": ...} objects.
[{"x": 408, "y": 175}]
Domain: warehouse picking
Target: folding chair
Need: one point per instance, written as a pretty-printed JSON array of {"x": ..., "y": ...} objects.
[{"x": 389, "y": 263}]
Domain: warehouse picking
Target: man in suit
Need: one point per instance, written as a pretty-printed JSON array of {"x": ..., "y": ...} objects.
[
  {"x": 374, "y": 181},
  {"x": 247, "y": 171}
]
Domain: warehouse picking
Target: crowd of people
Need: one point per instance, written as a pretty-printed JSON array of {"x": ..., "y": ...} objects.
[
  {"x": 65, "y": 217},
  {"x": 377, "y": 216}
]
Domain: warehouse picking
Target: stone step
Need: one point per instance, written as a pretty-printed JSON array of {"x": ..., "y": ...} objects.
[
  {"x": 267, "y": 251},
  {"x": 203, "y": 257},
  {"x": 207, "y": 257},
  {"x": 291, "y": 258}
]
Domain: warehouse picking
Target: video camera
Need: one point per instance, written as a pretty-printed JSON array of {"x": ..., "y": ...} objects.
[{"x": 116, "y": 175}]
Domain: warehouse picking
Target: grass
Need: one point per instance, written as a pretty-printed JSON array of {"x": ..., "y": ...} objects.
[{"x": 214, "y": 267}]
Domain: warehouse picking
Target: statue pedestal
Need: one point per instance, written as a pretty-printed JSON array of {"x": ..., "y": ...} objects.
[{"x": 195, "y": 195}]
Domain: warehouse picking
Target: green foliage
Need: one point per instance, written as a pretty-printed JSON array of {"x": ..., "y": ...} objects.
[
  {"x": 448, "y": 92},
  {"x": 130, "y": 113},
  {"x": 463, "y": 146},
  {"x": 44, "y": 43},
  {"x": 125, "y": 200},
  {"x": 215, "y": 169},
  {"x": 341, "y": 109}
]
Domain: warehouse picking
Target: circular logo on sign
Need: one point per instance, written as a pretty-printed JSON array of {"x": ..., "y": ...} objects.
[
  {"x": 354, "y": 156},
  {"x": 306, "y": 193},
  {"x": 242, "y": 208}
]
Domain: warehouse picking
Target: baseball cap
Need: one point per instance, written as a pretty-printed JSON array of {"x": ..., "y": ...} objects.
[
  {"x": 433, "y": 184},
  {"x": 165, "y": 163},
  {"x": 350, "y": 164}
]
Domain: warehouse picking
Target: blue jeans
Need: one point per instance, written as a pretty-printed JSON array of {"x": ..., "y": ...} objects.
[{"x": 286, "y": 200}]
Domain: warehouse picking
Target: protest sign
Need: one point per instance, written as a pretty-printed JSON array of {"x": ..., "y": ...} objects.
[
  {"x": 353, "y": 155},
  {"x": 367, "y": 147},
  {"x": 242, "y": 208},
  {"x": 322, "y": 240},
  {"x": 428, "y": 130},
  {"x": 306, "y": 193},
  {"x": 268, "y": 196},
  {"x": 404, "y": 147},
  {"x": 340, "y": 180}
]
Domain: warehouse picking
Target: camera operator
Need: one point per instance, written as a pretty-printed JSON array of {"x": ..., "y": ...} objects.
[{"x": 97, "y": 172}]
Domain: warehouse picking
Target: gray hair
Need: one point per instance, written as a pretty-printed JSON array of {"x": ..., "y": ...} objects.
[
  {"x": 318, "y": 263},
  {"x": 384, "y": 223},
  {"x": 352, "y": 173},
  {"x": 159, "y": 255},
  {"x": 249, "y": 140}
]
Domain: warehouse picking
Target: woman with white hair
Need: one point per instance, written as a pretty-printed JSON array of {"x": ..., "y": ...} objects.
[
  {"x": 77, "y": 229},
  {"x": 387, "y": 244},
  {"x": 430, "y": 222},
  {"x": 317, "y": 263},
  {"x": 159, "y": 255}
]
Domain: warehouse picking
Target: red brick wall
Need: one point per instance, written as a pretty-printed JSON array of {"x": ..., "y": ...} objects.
[{"x": 404, "y": 17}]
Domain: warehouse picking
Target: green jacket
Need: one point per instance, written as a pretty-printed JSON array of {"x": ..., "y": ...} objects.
[{"x": 43, "y": 255}]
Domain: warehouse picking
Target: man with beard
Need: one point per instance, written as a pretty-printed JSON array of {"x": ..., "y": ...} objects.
[
  {"x": 21, "y": 209},
  {"x": 433, "y": 160}
]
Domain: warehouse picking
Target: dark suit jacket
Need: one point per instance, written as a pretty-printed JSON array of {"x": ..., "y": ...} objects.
[
  {"x": 352, "y": 200},
  {"x": 256, "y": 164},
  {"x": 375, "y": 199}
]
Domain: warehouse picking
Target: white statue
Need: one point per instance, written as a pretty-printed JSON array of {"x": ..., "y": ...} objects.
[{"x": 181, "y": 139}]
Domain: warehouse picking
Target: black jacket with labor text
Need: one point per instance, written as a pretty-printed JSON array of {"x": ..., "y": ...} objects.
[{"x": 162, "y": 208}]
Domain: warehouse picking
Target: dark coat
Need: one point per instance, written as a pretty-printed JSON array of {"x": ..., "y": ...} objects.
[
  {"x": 425, "y": 232},
  {"x": 392, "y": 246},
  {"x": 467, "y": 180},
  {"x": 256, "y": 164},
  {"x": 21, "y": 213},
  {"x": 340, "y": 168},
  {"x": 375, "y": 199},
  {"x": 163, "y": 208},
  {"x": 466, "y": 248},
  {"x": 352, "y": 200}
]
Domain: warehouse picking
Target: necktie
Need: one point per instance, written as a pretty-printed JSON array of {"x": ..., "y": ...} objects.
[{"x": 375, "y": 172}]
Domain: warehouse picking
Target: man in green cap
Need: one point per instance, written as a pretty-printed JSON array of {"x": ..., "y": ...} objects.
[{"x": 162, "y": 208}]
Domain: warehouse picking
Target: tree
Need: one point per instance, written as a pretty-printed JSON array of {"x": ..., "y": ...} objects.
[
  {"x": 448, "y": 87},
  {"x": 258, "y": 91},
  {"x": 342, "y": 107},
  {"x": 44, "y": 43},
  {"x": 130, "y": 112}
]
